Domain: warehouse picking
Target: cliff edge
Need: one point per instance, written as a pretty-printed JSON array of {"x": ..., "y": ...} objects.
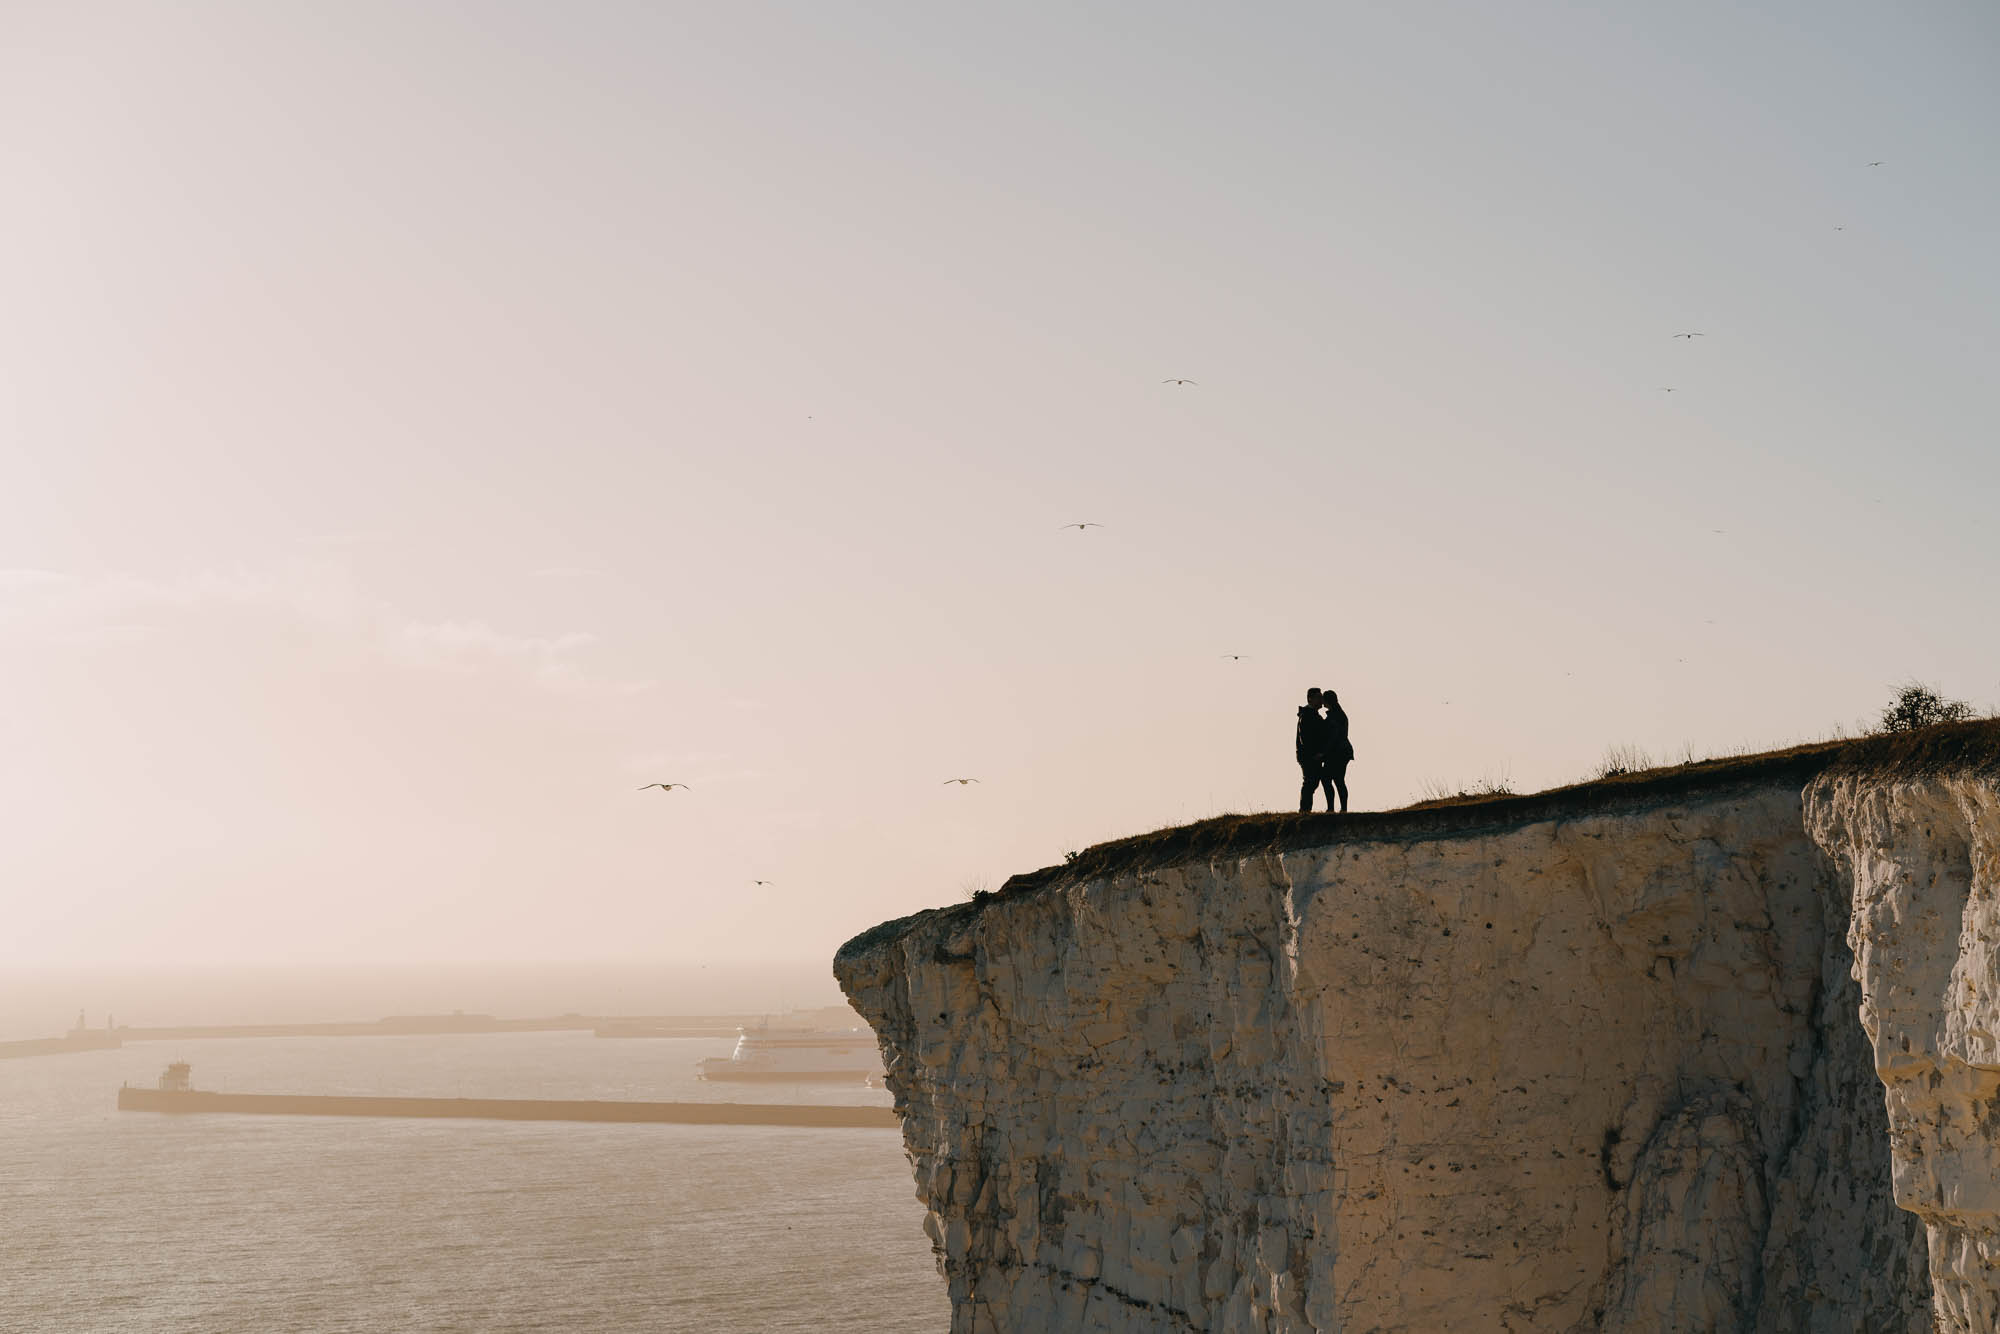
[{"x": 1603, "y": 1059}]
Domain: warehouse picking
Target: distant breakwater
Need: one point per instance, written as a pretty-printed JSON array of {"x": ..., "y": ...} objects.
[
  {"x": 132, "y": 1099},
  {"x": 88, "y": 1039},
  {"x": 426, "y": 1025},
  {"x": 396, "y": 1026}
]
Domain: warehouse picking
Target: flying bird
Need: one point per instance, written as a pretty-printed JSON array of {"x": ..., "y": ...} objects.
[
  {"x": 665, "y": 787},
  {"x": 1875, "y": 164},
  {"x": 1691, "y": 335},
  {"x": 1233, "y": 657},
  {"x": 1665, "y": 390},
  {"x": 1079, "y": 526},
  {"x": 760, "y": 882},
  {"x": 1177, "y": 382},
  {"x": 960, "y": 781}
]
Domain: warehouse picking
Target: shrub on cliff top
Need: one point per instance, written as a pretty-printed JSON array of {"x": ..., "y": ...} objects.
[{"x": 1917, "y": 705}]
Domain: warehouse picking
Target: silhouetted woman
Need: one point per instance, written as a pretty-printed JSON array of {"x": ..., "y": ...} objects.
[{"x": 1339, "y": 750}]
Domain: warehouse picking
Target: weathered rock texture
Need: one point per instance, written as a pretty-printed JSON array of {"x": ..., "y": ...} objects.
[
  {"x": 1923, "y": 856},
  {"x": 1594, "y": 1061}
]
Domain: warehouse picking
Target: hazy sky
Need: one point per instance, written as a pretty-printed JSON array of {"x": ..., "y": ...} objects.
[{"x": 422, "y": 423}]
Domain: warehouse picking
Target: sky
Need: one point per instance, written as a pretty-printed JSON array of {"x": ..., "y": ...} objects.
[{"x": 423, "y": 423}]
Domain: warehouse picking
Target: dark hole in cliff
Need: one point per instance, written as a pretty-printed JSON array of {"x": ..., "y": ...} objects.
[{"x": 1604, "y": 1152}]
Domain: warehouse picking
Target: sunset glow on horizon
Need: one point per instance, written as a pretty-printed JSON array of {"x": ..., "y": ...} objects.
[{"x": 427, "y": 424}]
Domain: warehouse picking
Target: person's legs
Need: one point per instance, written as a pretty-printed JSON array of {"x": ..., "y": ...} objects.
[
  {"x": 1336, "y": 773},
  {"x": 1312, "y": 783}
]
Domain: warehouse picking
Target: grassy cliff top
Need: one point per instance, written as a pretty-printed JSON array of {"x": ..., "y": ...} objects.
[{"x": 1953, "y": 747}]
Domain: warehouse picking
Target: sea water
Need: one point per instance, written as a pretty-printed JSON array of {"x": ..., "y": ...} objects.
[{"x": 219, "y": 1224}]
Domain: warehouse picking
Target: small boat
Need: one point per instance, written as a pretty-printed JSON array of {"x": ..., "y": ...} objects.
[{"x": 799, "y": 1055}]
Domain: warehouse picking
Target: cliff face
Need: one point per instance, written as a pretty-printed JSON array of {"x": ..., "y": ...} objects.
[
  {"x": 1924, "y": 861},
  {"x": 1603, "y": 1071}
]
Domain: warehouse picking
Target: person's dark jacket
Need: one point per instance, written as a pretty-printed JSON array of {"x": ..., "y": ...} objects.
[
  {"x": 1338, "y": 749},
  {"x": 1310, "y": 743}
]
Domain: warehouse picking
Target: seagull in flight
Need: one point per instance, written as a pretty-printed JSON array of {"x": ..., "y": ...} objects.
[
  {"x": 1875, "y": 164},
  {"x": 1079, "y": 526},
  {"x": 1233, "y": 657},
  {"x": 1665, "y": 390},
  {"x": 760, "y": 882},
  {"x": 960, "y": 781},
  {"x": 665, "y": 787},
  {"x": 1178, "y": 382},
  {"x": 1691, "y": 335}
]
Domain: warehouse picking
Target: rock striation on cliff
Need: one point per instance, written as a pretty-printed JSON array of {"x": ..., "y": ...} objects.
[{"x": 1591, "y": 1061}]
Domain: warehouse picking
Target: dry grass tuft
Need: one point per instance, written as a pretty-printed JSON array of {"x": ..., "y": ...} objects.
[
  {"x": 1620, "y": 760},
  {"x": 1436, "y": 792}
]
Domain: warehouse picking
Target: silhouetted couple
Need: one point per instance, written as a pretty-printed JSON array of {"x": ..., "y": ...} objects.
[{"x": 1323, "y": 749}]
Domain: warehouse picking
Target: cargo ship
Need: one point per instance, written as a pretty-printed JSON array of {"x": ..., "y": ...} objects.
[{"x": 798, "y": 1056}]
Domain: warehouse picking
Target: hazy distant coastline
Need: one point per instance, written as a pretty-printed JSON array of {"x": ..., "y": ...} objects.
[{"x": 169, "y": 1003}]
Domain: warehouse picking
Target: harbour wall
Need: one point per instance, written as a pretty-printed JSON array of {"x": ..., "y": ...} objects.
[
  {"x": 90, "y": 1039},
  {"x": 132, "y": 1099}
]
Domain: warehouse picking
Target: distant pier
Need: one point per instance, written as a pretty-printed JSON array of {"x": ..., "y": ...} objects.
[
  {"x": 82, "y": 1040},
  {"x": 457, "y": 1023},
  {"x": 184, "y": 1101},
  {"x": 454, "y": 1024}
]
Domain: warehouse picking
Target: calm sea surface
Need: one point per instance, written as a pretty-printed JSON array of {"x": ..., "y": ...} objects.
[{"x": 135, "y": 1221}]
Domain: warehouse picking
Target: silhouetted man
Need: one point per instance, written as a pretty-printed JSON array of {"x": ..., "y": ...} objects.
[
  {"x": 1310, "y": 747},
  {"x": 1338, "y": 749}
]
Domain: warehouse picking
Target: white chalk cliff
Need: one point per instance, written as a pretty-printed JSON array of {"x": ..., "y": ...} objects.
[
  {"x": 1597, "y": 1061},
  {"x": 1923, "y": 858}
]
